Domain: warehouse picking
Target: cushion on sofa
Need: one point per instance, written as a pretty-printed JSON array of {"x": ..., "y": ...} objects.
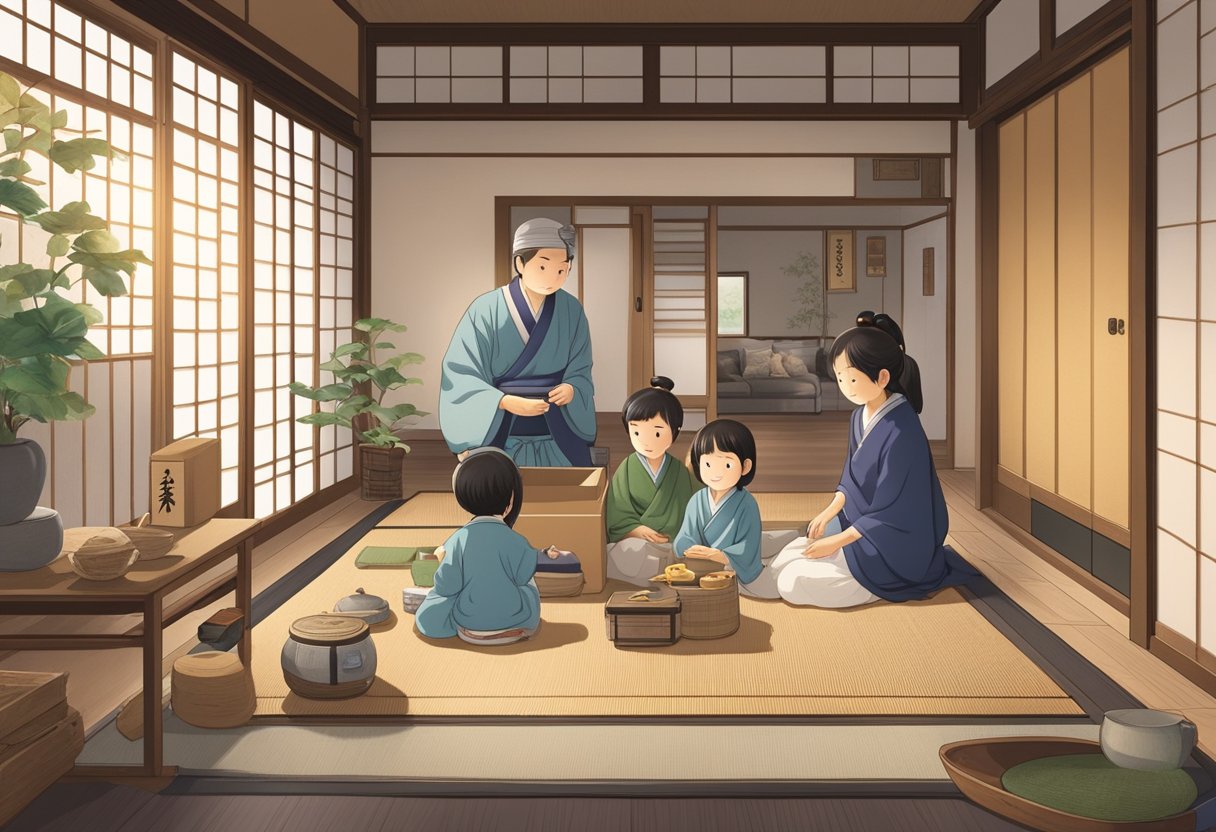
[
  {"x": 794, "y": 366},
  {"x": 758, "y": 363},
  {"x": 821, "y": 364},
  {"x": 806, "y": 387},
  {"x": 776, "y": 366},
  {"x": 728, "y": 363}
]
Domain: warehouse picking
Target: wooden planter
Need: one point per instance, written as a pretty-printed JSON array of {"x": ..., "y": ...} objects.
[{"x": 381, "y": 472}]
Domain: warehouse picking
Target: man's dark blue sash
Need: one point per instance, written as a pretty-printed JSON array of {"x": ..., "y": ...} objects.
[{"x": 514, "y": 383}]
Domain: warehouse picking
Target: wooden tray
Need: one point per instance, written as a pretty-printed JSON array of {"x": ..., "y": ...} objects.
[{"x": 976, "y": 767}]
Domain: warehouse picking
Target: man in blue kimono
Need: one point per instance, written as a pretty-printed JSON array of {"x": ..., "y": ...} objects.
[{"x": 517, "y": 374}]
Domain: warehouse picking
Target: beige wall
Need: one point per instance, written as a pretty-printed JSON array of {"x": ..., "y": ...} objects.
[
  {"x": 315, "y": 31},
  {"x": 433, "y": 217},
  {"x": 924, "y": 320}
]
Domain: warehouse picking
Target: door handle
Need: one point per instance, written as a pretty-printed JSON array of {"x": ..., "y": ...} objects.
[
  {"x": 637, "y": 304},
  {"x": 1115, "y": 326}
]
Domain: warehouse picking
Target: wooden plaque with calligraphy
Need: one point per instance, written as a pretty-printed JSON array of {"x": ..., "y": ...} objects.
[
  {"x": 841, "y": 276},
  {"x": 876, "y": 256}
]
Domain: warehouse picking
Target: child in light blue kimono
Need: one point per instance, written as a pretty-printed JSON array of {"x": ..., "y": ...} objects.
[
  {"x": 484, "y": 591},
  {"x": 722, "y": 521},
  {"x": 517, "y": 374}
]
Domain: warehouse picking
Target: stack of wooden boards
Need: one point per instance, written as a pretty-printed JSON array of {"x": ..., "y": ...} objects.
[{"x": 40, "y": 737}]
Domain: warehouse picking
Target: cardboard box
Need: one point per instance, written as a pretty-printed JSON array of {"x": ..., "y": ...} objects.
[
  {"x": 564, "y": 507},
  {"x": 185, "y": 484}
]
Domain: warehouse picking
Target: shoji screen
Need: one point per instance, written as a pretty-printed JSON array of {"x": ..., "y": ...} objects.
[
  {"x": 335, "y": 289},
  {"x": 284, "y": 298},
  {"x": 206, "y": 248},
  {"x": 97, "y": 469},
  {"x": 1185, "y": 371}
]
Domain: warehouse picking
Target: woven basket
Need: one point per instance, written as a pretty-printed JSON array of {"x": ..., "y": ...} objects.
[
  {"x": 212, "y": 690},
  {"x": 381, "y": 472},
  {"x": 99, "y": 553},
  {"x": 707, "y": 613},
  {"x": 559, "y": 584}
]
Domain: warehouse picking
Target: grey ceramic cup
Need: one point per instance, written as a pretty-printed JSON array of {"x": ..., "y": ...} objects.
[{"x": 1148, "y": 740}]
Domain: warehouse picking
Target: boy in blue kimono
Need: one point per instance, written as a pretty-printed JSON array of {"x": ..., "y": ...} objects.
[
  {"x": 722, "y": 520},
  {"x": 484, "y": 591},
  {"x": 890, "y": 542},
  {"x": 517, "y": 374}
]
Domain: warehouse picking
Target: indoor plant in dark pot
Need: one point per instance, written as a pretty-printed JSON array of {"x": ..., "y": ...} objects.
[
  {"x": 43, "y": 328},
  {"x": 346, "y": 403}
]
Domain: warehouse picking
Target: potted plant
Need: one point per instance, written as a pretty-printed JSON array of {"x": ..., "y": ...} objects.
[
  {"x": 42, "y": 330},
  {"x": 346, "y": 403},
  {"x": 810, "y": 297}
]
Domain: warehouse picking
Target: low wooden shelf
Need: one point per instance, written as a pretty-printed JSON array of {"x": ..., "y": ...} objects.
[{"x": 57, "y": 590}]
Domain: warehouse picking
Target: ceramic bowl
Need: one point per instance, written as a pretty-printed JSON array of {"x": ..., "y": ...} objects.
[
  {"x": 1145, "y": 739},
  {"x": 151, "y": 543}
]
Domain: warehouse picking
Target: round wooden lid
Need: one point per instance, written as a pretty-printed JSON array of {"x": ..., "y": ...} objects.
[{"x": 328, "y": 630}]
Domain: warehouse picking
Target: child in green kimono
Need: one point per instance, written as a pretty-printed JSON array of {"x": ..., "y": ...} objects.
[
  {"x": 650, "y": 489},
  {"x": 484, "y": 590}
]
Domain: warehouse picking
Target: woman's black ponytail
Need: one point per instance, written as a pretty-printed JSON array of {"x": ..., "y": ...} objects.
[{"x": 871, "y": 352}]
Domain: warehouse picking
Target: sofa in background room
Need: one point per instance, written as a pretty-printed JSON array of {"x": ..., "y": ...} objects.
[{"x": 798, "y": 381}]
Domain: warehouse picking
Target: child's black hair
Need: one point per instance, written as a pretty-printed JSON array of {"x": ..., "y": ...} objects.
[
  {"x": 876, "y": 344},
  {"x": 655, "y": 400},
  {"x": 486, "y": 483},
  {"x": 725, "y": 436}
]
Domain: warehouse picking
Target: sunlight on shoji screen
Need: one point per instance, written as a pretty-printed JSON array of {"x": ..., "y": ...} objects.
[
  {"x": 96, "y": 469},
  {"x": 206, "y": 263},
  {"x": 60, "y": 44},
  {"x": 335, "y": 289},
  {"x": 284, "y": 299}
]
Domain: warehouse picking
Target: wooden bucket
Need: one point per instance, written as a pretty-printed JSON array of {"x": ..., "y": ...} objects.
[
  {"x": 709, "y": 613},
  {"x": 381, "y": 472}
]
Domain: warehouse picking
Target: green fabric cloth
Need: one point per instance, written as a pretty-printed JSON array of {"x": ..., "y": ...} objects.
[
  {"x": 1092, "y": 786},
  {"x": 388, "y": 556},
  {"x": 635, "y": 500}
]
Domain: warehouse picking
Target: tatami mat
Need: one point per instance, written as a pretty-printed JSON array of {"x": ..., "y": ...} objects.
[
  {"x": 936, "y": 657},
  {"x": 566, "y": 753},
  {"x": 778, "y": 510}
]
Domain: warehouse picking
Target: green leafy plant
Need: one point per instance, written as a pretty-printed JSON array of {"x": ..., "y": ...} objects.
[
  {"x": 810, "y": 296},
  {"x": 362, "y": 371},
  {"x": 41, "y": 329}
]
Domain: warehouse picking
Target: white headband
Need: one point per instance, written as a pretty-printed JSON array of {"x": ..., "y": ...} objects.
[{"x": 544, "y": 233}]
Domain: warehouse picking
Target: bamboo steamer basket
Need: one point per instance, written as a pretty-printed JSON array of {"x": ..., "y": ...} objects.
[
  {"x": 707, "y": 613},
  {"x": 99, "y": 553}
]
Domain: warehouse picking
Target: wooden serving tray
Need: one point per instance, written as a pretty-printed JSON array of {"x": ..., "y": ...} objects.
[{"x": 976, "y": 767}]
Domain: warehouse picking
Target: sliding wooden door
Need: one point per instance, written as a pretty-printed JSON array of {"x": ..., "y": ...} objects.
[{"x": 1063, "y": 468}]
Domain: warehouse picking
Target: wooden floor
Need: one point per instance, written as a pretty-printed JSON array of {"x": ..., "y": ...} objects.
[{"x": 102, "y": 808}]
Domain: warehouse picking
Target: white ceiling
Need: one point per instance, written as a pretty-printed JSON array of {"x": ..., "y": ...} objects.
[{"x": 667, "y": 11}]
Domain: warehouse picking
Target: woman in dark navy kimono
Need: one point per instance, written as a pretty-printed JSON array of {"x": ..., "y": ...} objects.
[{"x": 883, "y": 534}]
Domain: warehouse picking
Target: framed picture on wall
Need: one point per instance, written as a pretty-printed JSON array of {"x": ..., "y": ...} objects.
[
  {"x": 841, "y": 277},
  {"x": 876, "y": 256},
  {"x": 732, "y": 303}
]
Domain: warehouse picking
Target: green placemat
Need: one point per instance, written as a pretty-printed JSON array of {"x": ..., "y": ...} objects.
[
  {"x": 389, "y": 557},
  {"x": 1092, "y": 786}
]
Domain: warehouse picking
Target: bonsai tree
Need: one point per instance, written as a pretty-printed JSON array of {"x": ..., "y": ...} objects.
[
  {"x": 42, "y": 329},
  {"x": 811, "y": 295},
  {"x": 346, "y": 403}
]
